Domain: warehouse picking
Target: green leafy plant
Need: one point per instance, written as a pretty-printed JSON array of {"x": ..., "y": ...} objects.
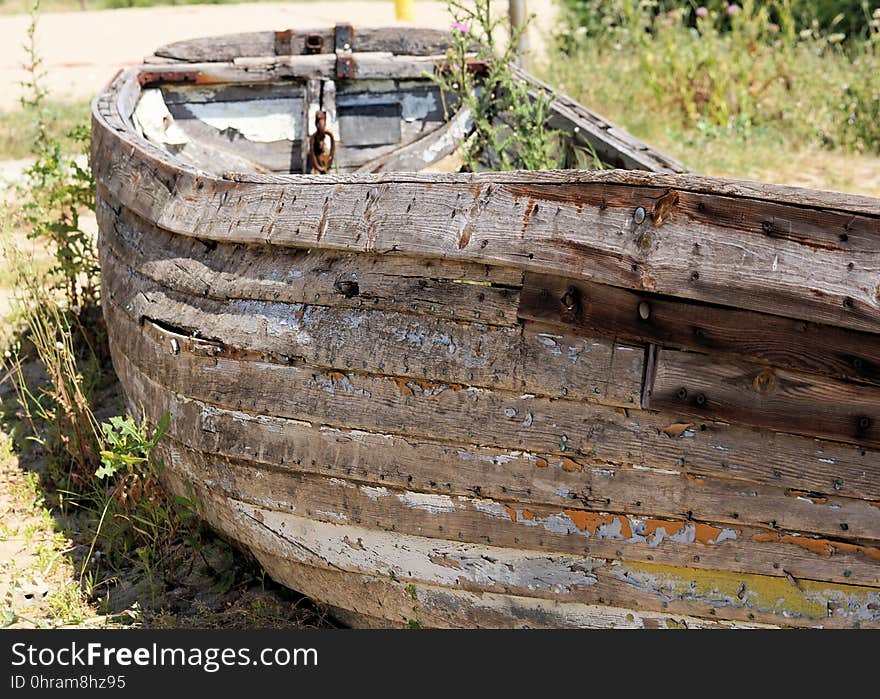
[
  {"x": 128, "y": 444},
  {"x": 509, "y": 117}
]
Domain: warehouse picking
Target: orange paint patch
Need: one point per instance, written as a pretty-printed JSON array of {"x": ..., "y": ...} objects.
[
  {"x": 570, "y": 465},
  {"x": 706, "y": 533},
  {"x": 694, "y": 478},
  {"x": 510, "y": 513},
  {"x": 671, "y": 528},
  {"x": 821, "y": 547},
  {"x": 588, "y": 521},
  {"x": 541, "y": 463},
  {"x": 528, "y": 514}
]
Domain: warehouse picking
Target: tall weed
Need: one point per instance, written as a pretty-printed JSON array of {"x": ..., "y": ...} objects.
[{"x": 510, "y": 120}]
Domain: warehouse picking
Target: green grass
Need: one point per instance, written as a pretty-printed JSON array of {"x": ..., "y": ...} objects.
[{"x": 18, "y": 127}]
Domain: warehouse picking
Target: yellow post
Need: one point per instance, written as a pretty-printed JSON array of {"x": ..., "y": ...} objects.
[{"x": 403, "y": 10}]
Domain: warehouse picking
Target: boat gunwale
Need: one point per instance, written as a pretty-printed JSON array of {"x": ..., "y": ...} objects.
[{"x": 129, "y": 79}]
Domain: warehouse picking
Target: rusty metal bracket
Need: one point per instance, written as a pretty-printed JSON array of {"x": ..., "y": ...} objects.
[{"x": 343, "y": 44}]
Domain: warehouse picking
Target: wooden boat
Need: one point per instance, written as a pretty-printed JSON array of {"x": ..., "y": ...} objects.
[{"x": 617, "y": 398}]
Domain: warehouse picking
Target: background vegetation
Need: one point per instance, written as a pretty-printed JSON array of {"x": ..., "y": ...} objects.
[{"x": 734, "y": 88}]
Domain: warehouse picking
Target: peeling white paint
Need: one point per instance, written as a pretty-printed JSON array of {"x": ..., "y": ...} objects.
[
  {"x": 374, "y": 493},
  {"x": 435, "y": 504},
  {"x": 155, "y": 121},
  {"x": 261, "y": 121},
  {"x": 412, "y": 557}
]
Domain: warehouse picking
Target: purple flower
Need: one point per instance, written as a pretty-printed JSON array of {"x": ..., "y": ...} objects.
[
  {"x": 461, "y": 27},
  {"x": 702, "y": 12},
  {"x": 732, "y": 9}
]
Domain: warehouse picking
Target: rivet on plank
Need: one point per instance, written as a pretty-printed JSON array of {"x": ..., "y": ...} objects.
[{"x": 639, "y": 215}]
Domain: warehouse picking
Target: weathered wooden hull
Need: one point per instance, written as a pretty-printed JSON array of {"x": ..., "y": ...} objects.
[{"x": 559, "y": 399}]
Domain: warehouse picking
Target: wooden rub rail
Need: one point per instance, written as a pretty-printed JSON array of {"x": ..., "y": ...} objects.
[{"x": 617, "y": 398}]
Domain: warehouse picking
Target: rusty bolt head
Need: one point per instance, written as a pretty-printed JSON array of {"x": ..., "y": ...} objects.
[
  {"x": 700, "y": 399},
  {"x": 681, "y": 393},
  {"x": 639, "y": 215}
]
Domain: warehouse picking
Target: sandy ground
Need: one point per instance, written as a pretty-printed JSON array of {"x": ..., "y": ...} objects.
[{"x": 83, "y": 50}]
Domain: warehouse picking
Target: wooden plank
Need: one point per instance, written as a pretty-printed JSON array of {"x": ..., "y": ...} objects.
[
  {"x": 272, "y": 69},
  {"x": 613, "y": 145},
  {"x": 403, "y": 345},
  {"x": 269, "y": 153},
  {"x": 720, "y": 331},
  {"x": 695, "y": 384},
  {"x": 577, "y": 579},
  {"x": 214, "y": 159},
  {"x": 588, "y": 434},
  {"x": 562, "y": 227},
  {"x": 370, "y": 125},
  {"x": 444, "y": 288},
  {"x": 183, "y": 94},
  {"x": 535, "y": 479},
  {"x": 391, "y": 506},
  {"x": 399, "y": 604},
  {"x": 413, "y": 41},
  {"x": 427, "y": 150}
]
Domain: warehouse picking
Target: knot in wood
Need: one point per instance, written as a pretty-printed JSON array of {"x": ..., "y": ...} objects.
[{"x": 765, "y": 382}]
